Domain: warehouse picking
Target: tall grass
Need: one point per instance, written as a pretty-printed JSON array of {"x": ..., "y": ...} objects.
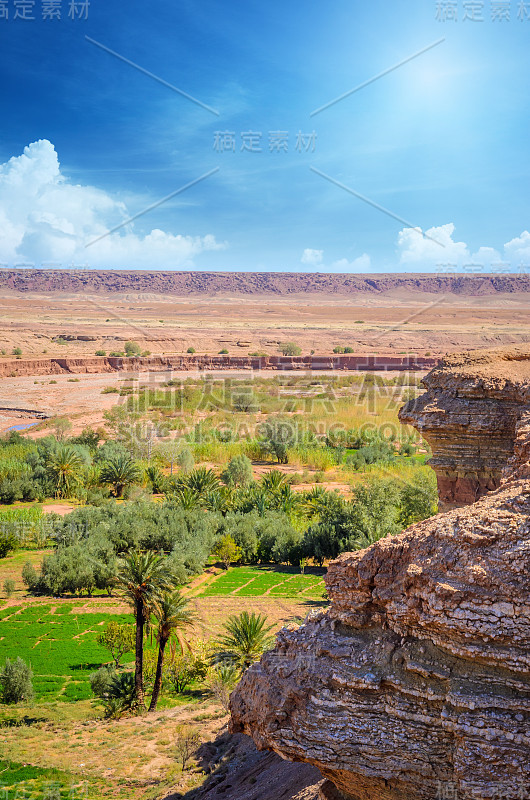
[
  {"x": 27, "y": 523},
  {"x": 11, "y": 469},
  {"x": 221, "y": 418}
]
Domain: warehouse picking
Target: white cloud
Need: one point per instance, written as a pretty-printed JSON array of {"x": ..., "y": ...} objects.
[
  {"x": 44, "y": 218},
  {"x": 437, "y": 249},
  {"x": 361, "y": 264},
  {"x": 518, "y": 250},
  {"x": 414, "y": 248},
  {"x": 313, "y": 258}
]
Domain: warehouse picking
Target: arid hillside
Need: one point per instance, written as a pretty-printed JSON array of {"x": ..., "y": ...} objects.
[
  {"x": 75, "y": 313},
  {"x": 256, "y": 283}
]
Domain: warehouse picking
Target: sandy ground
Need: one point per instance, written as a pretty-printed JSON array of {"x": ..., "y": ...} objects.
[
  {"x": 395, "y": 323},
  {"x": 80, "y": 398},
  {"x": 392, "y": 322}
]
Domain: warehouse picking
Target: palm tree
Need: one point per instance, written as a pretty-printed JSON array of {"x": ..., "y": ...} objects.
[
  {"x": 141, "y": 579},
  {"x": 92, "y": 477},
  {"x": 274, "y": 480},
  {"x": 185, "y": 497},
  {"x": 222, "y": 500},
  {"x": 202, "y": 480},
  {"x": 245, "y": 640},
  {"x": 172, "y": 613},
  {"x": 156, "y": 478},
  {"x": 120, "y": 694},
  {"x": 286, "y": 500},
  {"x": 319, "y": 501},
  {"x": 120, "y": 471},
  {"x": 65, "y": 465}
]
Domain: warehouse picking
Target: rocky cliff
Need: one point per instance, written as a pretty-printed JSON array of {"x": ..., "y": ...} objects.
[
  {"x": 469, "y": 415},
  {"x": 415, "y": 685},
  {"x": 254, "y": 283},
  {"x": 56, "y": 366}
]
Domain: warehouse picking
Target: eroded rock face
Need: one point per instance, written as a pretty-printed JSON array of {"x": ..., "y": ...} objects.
[
  {"x": 415, "y": 685},
  {"x": 469, "y": 415},
  {"x": 417, "y": 680},
  {"x": 255, "y": 283},
  {"x": 80, "y": 365}
]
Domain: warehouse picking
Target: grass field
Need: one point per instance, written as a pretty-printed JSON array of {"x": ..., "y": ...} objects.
[
  {"x": 58, "y": 638},
  {"x": 35, "y": 783},
  {"x": 261, "y": 581},
  {"x": 60, "y": 646},
  {"x": 58, "y": 746}
]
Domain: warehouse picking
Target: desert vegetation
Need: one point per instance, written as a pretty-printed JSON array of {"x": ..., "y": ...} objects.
[{"x": 201, "y": 517}]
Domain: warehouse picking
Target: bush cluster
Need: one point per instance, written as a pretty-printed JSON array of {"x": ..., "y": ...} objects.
[{"x": 89, "y": 540}]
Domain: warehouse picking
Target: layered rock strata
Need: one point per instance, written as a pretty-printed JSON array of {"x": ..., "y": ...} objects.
[
  {"x": 469, "y": 416},
  {"x": 415, "y": 685},
  {"x": 56, "y": 366}
]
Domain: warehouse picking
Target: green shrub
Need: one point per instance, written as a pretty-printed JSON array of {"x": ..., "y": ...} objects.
[
  {"x": 16, "y": 681},
  {"x": 30, "y": 577},
  {"x": 9, "y": 587},
  {"x": 280, "y": 544},
  {"x": 380, "y": 452},
  {"x": 185, "y": 460},
  {"x": 132, "y": 349},
  {"x": 89, "y": 539},
  {"x": 191, "y": 350},
  {"x": 419, "y": 500},
  {"x": 227, "y": 551},
  {"x": 8, "y": 543},
  {"x": 187, "y": 667},
  {"x": 101, "y": 679},
  {"x": 296, "y": 479},
  {"x": 116, "y": 691},
  {"x": 290, "y": 349},
  {"x": 118, "y": 640},
  {"x": 79, "y": 568},
  {"x": 372, "y": 514},
  {"x": 238, "y": 472},
  {"x": 16, "y": 351},
  {"x": 101, "y": 353},
  {"x": 10, "y": 492}
]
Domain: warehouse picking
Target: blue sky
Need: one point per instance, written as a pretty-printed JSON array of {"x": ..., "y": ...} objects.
[{"x": 441, "y": 142}]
